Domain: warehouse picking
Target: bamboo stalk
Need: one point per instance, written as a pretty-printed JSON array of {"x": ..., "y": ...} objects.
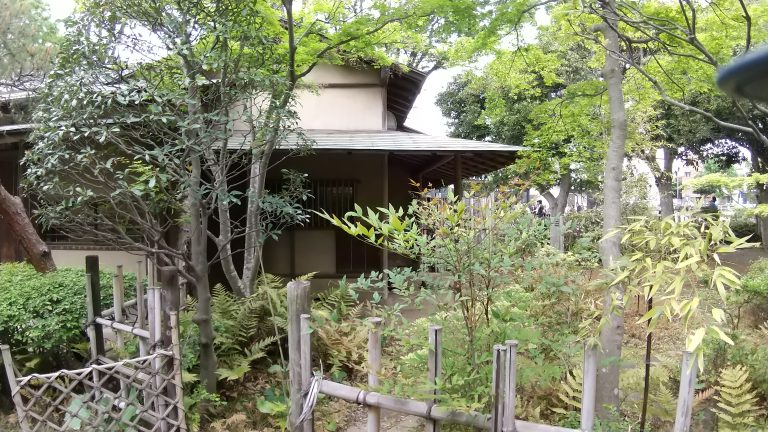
[
  {"x": 93, "y": 294},
  {"x": 374, "y": 366},
  {"x": 435, "y": 370},
  {"x": 298, "y": 295},
  {"x": 421, "y": 409},
  {"x": 177, "y": 381},
  {"x": 162, "y": 405},
  {"x": 141, "y": 333},
  {"x": 510, "y": 390},
  {"x": 14, "y": 388},
  {"x": 589, "y": 388},
  {"x": 497, "y": 379},
  {"x": 141, "y": 310},
  {"x": 306, "y": 366},
  {"x": 685, "y": 397},
  {"x": 118, "y": 298}
]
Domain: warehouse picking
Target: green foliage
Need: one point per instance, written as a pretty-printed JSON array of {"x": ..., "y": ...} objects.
[
  {"x": 27, "y": 46},
  {"x": 340, "y": 334},
  {"x": 753, "y": 295},
  {"x": 737, "y": 406},
  {"x": 246, "y": 328},
  {"x": 743, "y": 224},
  {"x": 43, "y": 315},
  {"x": 104, "y": 413},
  {"x": 664, "y": 256}
]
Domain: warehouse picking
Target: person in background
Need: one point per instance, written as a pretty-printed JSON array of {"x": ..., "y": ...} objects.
[{"x": 539, "y": 210}]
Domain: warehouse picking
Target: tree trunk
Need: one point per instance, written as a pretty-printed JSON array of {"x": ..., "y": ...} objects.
[
  {"x": 612, "y": 330},
  {"x": 13, "y": 213},
  {"x": 558, "y": 204},
  {"x": 664, "y": 184},
  {"x": 199, "y": 258},
  {"x": 762, "y": 198}
]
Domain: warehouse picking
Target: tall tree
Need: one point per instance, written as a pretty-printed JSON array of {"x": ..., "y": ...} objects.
[
  {"x": 26, "y": 51},
  {"x": 612, "y": 328},
  {"x": 678, "y": 47},
  {"x": 543, "y": 96}
]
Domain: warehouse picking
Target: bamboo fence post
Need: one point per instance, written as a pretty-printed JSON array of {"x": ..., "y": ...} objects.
[
  {"x": 685, "y": 397},
  {"x": 497, "y": 385},
  {"x": 298, "y": 304},
  {"x": 306, "y": 366},
  {"x": 178, "y": 384},
  {"x": 13, "y": 387},
  {"x": 589, "y": 388},
  {"x": 510, "y": 387},
  {"x": 374, "y": 366},
  {"x": 435, "y": 370},
  {"x": 93, "y": 294},
  {"x": 118, "y": 299},
  {"x": 141, "y": 310},
  {"x": 153, "y": 387}
]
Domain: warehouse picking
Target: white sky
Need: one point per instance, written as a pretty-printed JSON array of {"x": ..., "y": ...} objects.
[{"x": 425, "y": 115}]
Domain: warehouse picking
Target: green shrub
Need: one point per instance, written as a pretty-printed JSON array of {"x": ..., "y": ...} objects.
[
  {"x": 743, "y": 226},
  {"x": 44, "y": 314}
]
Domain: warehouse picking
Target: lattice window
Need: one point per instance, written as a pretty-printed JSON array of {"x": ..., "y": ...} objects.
[{"x": 336, "y": 197}]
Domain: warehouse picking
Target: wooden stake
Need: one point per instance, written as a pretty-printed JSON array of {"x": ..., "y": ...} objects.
[
  {"x": 93, "y": 294},
  {"x": 497, "y": 380},
  {"x": 118, "y": 298},
  {"x": 298, "y": 304},
  {"x": 141, "y": 309},
  {"x": 374, "y": 366},
  {"x": 13, "y": 388},
  {"x": 306, "y": 365},
  {"x": 589, "y": 388},
  {"x": 510, "y": 390},
  {"x": 435, "y": 359},
  {"x": 178, "y": 383},
  {"x": 685, "y": 397}
]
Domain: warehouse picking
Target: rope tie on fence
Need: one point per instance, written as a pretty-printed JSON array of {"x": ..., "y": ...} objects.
[{"x": 310, "y": 398}]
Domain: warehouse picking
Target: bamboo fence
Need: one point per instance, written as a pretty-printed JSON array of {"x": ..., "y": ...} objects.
[
  {"x": 504, "y": 380},
  {"x": 143, "y": 394}
]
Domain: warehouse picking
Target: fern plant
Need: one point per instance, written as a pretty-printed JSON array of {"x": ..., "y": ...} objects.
[
  {"x": 245, "y": 327},
  {"x": 737, "y": 407},
  {"x": 341, "y": 332},
  {"x": 572, "y": 389}
]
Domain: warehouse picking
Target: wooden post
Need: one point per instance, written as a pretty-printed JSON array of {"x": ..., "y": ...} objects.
[
  {"x": 170, "y": 300},
  {"x": 306, "y": 366},
  {"x": 93, "y": 294},
  {"x": 13, "y": 388},
  {"x": 435, "y": 369},
  {"x": 458, "y": 185},
  {"x": 510, "y": 387},
  {"x": 385, "y": 204},
  {"x": 178, "y": 384},
  {"x": 497, "y": 384},
  {"x": 141, "y": 309},
  {"x": 118, "y": 298},
  {"x": 589, "y": 388},
  {"x": 298, "y": 304},
  {"x": 374, "y": 366},
  {"x": 685, "y": 397}
]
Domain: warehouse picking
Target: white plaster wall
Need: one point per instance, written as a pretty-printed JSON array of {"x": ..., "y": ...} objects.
[
  {"x": 108, "y": 260},
  {"x": 322, "y": 106},
  {"x": 342, "y": 109}
]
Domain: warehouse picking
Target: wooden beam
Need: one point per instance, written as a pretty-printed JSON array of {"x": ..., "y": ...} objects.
[{"x": 458, "y": 187}]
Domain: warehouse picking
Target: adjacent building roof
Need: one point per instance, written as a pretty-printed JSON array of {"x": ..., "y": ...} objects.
[{"x": 429, "y": 157}]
